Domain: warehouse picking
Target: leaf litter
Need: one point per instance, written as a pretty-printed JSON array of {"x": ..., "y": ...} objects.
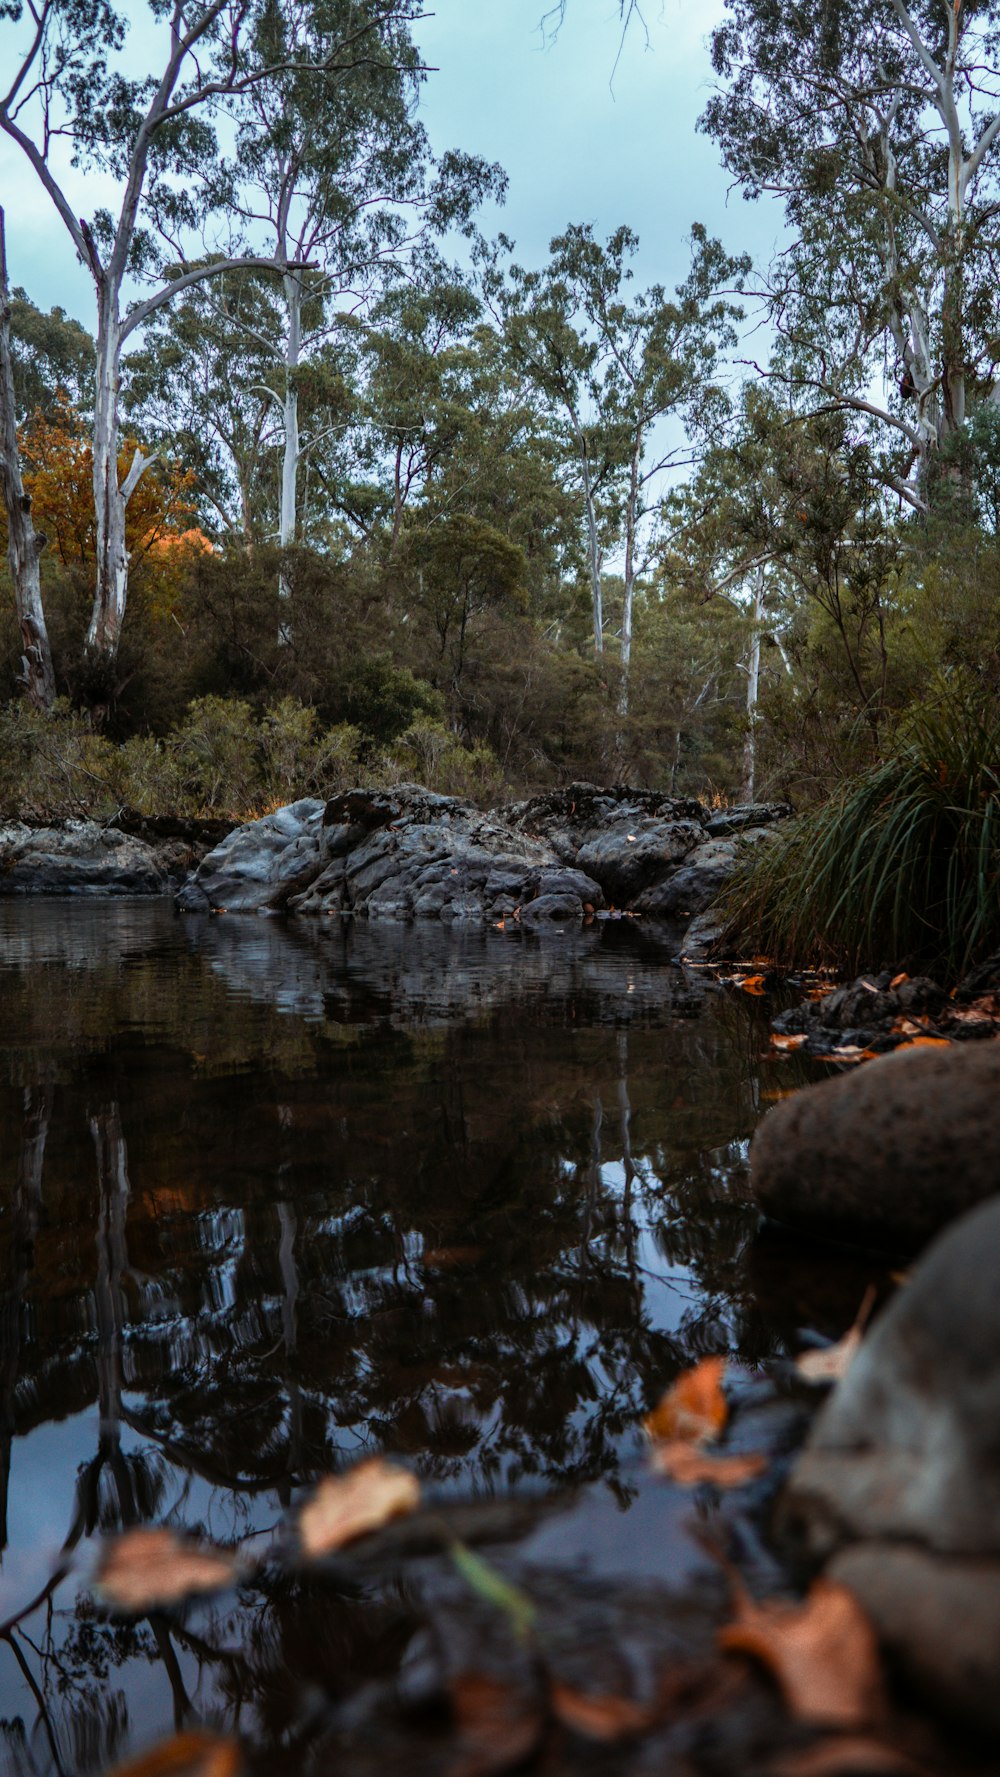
[{"x": 691, "y": 1415}]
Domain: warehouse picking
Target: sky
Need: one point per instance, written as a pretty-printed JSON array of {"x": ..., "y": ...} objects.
[{"x": 582, "y": 140}]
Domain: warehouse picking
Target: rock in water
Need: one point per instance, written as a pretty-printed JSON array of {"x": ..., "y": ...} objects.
[
  {"x": 900, "y": 1479},
  {"x": 77, "y": 858},
  {"x": 887, "y": 1155}
]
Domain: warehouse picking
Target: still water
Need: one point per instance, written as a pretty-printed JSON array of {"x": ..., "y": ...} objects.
[{"x": 273, "y": 1198}]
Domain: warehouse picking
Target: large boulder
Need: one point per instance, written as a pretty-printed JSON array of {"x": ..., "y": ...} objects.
[
  {"x": 258, "y": 867},
  {"x": 887, "y": 1154},
  {"x": 899, "y": 1484},
  {"x": 78, "y": 858}
]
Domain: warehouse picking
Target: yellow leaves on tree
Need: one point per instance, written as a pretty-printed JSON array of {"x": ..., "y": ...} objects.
[{"x": 58, "y": 462}]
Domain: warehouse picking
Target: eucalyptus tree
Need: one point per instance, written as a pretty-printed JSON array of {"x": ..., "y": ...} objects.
[
  {"x": 151, "y": 136},
  {"x": 881, "y": 134},
  {"x": 547, "y": 342},
  {"x": 339, "y": 179},
  {"x": 24, "y": 543},
  {"x": 655, "y": 360}
]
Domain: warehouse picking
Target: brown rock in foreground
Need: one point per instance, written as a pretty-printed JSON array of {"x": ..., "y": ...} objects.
[{"x": 887, "y": 1155}]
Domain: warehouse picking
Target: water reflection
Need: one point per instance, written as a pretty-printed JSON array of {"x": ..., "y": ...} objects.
[{"x": 274, "y": 1198}]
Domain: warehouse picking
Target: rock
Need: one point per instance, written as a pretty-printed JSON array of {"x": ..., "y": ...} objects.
[
  {"x": 888, "y": 1154},
  {"x": 701, "y": 937},
  {"x": 692, "y": 887},
  {"x": 900, "y": 1477},
  {"x": 192, "y": 899},
  {"x": 725, "y": 821},
  {"x": 551, "y": 910},
  {"x": 260, "y": 866},
  {"x": 77, "y": 858},
  {"x": 633, "y": 855}
]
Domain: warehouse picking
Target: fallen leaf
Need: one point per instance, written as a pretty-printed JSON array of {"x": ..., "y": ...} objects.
[
  {"x": 823, "y": 1653},
  {"x": 186, "y": 1755},
  {"x": 147, "y": 1568},
  {"x": 848, "y": 1755},
  {"x": 498, "y": 1726},
  {"x": 345, "y": 1507},
  {"x": 897, "y": 980},
  {"x": 489, "y": 1584},
  {"x": 832, "y": 1363},
  {"x": 752, "y": 984},
  {"x": 631, "y": 838},
  {"x": 687, "y": 1465},
  {"x": 778, "y": 1093},
  {"x": 694, "y": 1409},
  {"x": 787, "y": 1043},
  {"x": 604, "y": 1718}
]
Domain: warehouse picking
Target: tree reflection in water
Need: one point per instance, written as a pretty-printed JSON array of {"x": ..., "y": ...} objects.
[{"x": 469, "y": 1200}]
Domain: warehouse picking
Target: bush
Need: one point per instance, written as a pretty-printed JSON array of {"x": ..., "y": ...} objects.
[{"x": 903, "y": 864}]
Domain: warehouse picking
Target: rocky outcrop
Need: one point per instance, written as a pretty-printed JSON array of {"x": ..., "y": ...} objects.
[
  {"x": 407, "y": 853},
  {"x": 887, "y": 1154},
  {"x": 899, "y": 1483},
  {"x": 78, "y": 858}
]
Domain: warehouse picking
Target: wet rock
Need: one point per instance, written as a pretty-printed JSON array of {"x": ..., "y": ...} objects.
[
  {"x": 259, "y": 867},
  {"x": 192, "y": 899},
  {"x": 77, "y": 858},
  {"x": 887, "y": 1154},
  {"x": 551, "y": 910},
  {"x": 900, "y": 1478},
  {"x": 701, "y": 937},
  {"x": 739, "y": 819}
]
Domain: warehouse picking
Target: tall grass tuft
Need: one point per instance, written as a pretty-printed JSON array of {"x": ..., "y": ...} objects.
[{"x": 902, "y": 864}]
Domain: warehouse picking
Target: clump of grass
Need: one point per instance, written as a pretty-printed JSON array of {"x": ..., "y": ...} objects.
[{"x": 903, "y": 863}]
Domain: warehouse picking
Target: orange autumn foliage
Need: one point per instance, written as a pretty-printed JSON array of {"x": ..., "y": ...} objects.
[{"x": 57, "y": 464}]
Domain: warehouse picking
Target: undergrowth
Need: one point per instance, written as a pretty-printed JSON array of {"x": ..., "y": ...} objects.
[{"x": 902, "y": 864}]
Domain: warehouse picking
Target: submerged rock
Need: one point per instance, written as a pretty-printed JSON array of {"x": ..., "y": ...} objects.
[
  {"x": 900, "y": 1479},
  {"x": 78, "y": 858},
  {"x": 888, "y": 1154}
]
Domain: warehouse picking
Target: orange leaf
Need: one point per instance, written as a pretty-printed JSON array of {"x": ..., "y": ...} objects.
[
  {"x": 345, "y": 1507},
  {"x": 694, "y": 1409},
  {"x": 186, "y": 1755},
  {"x": 687, "y": 1465},
  {"x": 926, "y": 1043},
  {"x": 897, "y": 980},
  {"x": 599, "y": 1718},
  {"x": 147, "y": 1568},
  {"x": 752, "y": 984},
  {"x": 823, "y": 1653},
  {"x": 787, "y": 1042}
]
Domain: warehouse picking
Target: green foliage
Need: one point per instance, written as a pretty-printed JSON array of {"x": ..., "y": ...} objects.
[
  {"x": 903, "y": 864},
  {"x": 429, "y": 753},
  {"x": 384, "y": 700}
]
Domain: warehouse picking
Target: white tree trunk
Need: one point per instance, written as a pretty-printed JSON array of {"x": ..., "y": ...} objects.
[
  {"x": 288, "y": 516},
  {"x": 749, "y": 785},
  {"x": 24, "y": 543},
  {"x": 110, "y": 498},
  {"x": 631, "y": 526}
]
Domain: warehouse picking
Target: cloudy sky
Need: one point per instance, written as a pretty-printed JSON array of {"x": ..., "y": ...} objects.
[{"x": 582, "y": 140}]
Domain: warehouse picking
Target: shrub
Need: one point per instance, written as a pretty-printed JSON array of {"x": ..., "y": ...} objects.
[{"x": 902, "y": 864}]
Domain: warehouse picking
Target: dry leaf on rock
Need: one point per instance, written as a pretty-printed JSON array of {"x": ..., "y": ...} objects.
[
  {"x": 345, "y": 1507},
  {"x": 498, "y": 1726},
  {"x": 687, "y": 1464},
  {"x": 147, "y": 1568},
  {"x": 754, "y": 984},
  {"x": 832, "y": 1363},
  {"x": 694, "y": 1409},
  {"x": 186, "y": 1755},
  {"x": 823, "y": 1653},
  {"x": 848, "y": 1755},
  {"x": 604, "y": 1718}
]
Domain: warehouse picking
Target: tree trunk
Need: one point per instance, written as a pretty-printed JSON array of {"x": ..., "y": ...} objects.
[
  {"x": 593, "y": 551},
  {"x": 24, "y": 543},
  {"x": 631, "y": 523},
  {"x": 749, "y": 785},
  {"x": 288, "y": 518},
  {"x": 110, "y": 496}
]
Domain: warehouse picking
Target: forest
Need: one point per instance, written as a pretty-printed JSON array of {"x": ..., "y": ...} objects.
[{"x": 328, "y": 487}]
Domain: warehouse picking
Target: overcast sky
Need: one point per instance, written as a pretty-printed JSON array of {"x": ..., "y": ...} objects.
[{"x": 577, "y": 145}]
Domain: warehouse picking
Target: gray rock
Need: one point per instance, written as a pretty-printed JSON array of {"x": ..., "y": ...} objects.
[
  {"x": 726, "y": 821},
  {"x": 693, "y": 885},
  {"x": 701, "y": 937},
  {"x": 260, "y": 866},
  {"x": 887, "y": 1154},
  {"x": 192, "y": 899},
  {"x": 631, "y": 856},
  {"x": 552, "y": 910},
  {"x": 77, "y": 858},
  {"x": 900, "y": 1478}
]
